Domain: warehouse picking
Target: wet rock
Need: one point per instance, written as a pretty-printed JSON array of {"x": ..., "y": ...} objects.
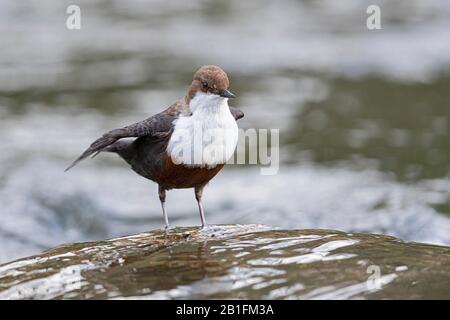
[{"x": 233, "y": 261}]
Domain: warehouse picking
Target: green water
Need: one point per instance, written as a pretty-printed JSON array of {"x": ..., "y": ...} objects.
[{"x": 398, "y": 128}]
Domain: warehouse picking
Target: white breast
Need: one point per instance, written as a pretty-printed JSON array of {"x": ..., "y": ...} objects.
[{"x": 206, "y": 138}]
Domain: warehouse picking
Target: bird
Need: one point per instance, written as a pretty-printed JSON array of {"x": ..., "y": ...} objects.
[{"x": 170, "y": 147}]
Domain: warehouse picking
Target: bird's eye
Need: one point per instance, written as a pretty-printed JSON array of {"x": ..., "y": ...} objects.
[{"x": 205, "y": 84}]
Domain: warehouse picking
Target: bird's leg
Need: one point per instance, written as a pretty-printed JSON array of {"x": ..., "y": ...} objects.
[
  {"x": 162, "y": 198},
  {"x": 198, "y": 197}
]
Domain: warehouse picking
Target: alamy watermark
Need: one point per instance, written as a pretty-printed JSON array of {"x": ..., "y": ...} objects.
[
  {"x": 73, "y": 21},
  {"x": 202, "y": 147},
  {"x": 374, "y": 280},
  {"x": 373, "y": 21}
]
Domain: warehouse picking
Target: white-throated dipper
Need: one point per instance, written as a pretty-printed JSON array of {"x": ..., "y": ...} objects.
[{"x": 184, "y": 146}]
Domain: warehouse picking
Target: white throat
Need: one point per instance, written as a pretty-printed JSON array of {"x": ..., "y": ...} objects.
[{"x": 208, "y": 136}]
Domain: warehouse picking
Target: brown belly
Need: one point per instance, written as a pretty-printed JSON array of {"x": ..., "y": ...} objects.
[{"x": 175, "y": 176}]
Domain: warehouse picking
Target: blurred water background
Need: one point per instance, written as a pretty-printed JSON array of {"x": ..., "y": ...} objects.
[{"x": 363, "y": 115}]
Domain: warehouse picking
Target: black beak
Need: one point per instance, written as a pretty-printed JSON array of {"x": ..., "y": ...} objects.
[{"x": 227, "y": 94}]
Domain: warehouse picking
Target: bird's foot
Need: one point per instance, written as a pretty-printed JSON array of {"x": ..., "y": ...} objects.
[{"x": 210, "y": 230}]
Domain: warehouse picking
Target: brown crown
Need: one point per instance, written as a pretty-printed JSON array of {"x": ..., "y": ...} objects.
[{"x": 208, "y": 78}]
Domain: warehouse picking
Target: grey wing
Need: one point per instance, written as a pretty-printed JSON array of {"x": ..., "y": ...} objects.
[
  {"x": 157, "y": 125},
  {"x": 237, "y": 114}
]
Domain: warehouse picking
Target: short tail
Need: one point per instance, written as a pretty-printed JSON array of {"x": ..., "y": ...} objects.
[
  {"x": 95, "y": 148},
  {"x": 119, "y": 147},
  {"x": 85, "y": 154}
]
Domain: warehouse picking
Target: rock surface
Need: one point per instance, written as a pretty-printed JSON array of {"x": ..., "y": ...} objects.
[{"x": 233, "y": 261}]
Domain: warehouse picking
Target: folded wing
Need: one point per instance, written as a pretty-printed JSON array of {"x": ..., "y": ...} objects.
[
  {"x": 157, "y": 125},
  {"x": 237, "y": 114}
]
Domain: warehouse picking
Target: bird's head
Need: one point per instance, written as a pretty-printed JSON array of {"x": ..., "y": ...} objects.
[{"x": 210, "y": 80}]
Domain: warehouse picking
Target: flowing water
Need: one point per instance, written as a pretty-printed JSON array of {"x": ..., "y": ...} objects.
[
  {"x": 363, "y": 115},
  {"x": 233, "y": 261}
]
